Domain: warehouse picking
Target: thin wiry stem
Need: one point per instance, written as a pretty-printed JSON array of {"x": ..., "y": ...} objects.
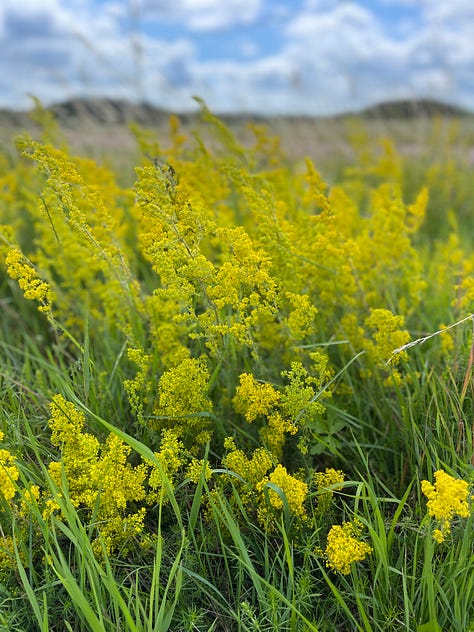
[{"x": 420, "y": 341}]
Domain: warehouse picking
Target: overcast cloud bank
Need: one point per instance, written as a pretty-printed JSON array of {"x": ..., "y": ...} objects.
[{"x": 273, "y": 57}]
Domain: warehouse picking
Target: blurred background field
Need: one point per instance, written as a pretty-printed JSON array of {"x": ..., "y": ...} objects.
[
  {"x": 432, "y": 139},
  {"x": 418, "y": 128}
]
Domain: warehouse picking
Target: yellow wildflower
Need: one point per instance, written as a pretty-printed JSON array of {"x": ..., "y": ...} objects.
[
  {"x": 447, "y": 498},
  {"x": 295, "y": 491},
  {"x": 171, "y": 458},
  {"x": 195, "y": 470},
  {"x": 182, "y": 397},
  {"x": 51, "y": 507},
  {"x": 99, "y": 477},
  {"x": 252, "y": 470},
  {"x": 9, "y": 473},
  {"x": 274, "y": 434},
  {"x": 388, "y": 334},
  {"x": 300, "y": 321},
  {"x": 325, "y": 482},
  {"x": 7, "y": 555},
  {"x": 29, "y": 497},
  {"x": 344, "y": 547},
  {"x": 447, "y": 342},
  {"x": 33, "y": 287},
  {"x": 253, "y": 399}
]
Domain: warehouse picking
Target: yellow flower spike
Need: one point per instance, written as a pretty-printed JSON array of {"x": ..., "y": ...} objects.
[{"x": 34, "y": 289}]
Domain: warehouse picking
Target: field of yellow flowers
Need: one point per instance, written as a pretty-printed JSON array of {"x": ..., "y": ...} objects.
[{"x": 236, "y": 395}]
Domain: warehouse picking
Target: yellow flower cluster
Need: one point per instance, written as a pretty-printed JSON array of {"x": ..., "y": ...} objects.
[
  {"x": 33, "y": 287},
  {"x": 301, "y": 317},
  {"x": 9, "y": 473},
  {"x": 252, "y": 470},
  {"x": 294, "y": 491},
  {"x": 274, "y": 433},
  {"x": 79, "y": 231},
  {"x": 447, "y": 498},
  {"x": 15, "y": 501},
  {"x": 344, "y": 547},
  {"x": 256, "y": 485},
  {"x": 139, "y": 388},
  {"x": 171, "y": 458},
  {"x": 290, "y": 410},
  {"x": 254, "y": 399},
  {"x": 99, "y": 477},
  {"x": 183, "y": 401},
  {"x": 7, "y": 554},
  {"x": 325, "y": 483},
  {"x": 198, "y": 468},
  {"x": 388, "y": 335}
]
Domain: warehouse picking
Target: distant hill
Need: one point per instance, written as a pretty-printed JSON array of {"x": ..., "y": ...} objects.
[
  {"x": 407, "y": 109},
  {"x": 108, "y": 112},
  {"x": 105, "y": 112}
]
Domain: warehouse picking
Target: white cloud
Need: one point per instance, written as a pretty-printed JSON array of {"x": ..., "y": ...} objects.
[
  {"x": 204, "y": 15},
  {"x": 348, "y": 52},
  {"x": 456, "y": 9},
  {"x": 340, "y": 34},
  {"x": 326, "y": 56},
  {"x": 344, "y": 53}
]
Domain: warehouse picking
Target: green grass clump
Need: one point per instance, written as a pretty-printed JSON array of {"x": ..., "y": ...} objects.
[{"x": 233, "y": 396}]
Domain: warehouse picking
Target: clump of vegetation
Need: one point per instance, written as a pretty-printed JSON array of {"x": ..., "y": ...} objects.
[{"x": 234, "y": 397}]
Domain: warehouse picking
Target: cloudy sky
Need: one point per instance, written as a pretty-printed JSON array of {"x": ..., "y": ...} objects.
[{"x": 271, "y": 56}]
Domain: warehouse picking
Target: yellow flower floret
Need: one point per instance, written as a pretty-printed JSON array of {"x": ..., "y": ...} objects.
[
  {"x": 344, "y": 547},
  {"x": 447, "y": 498}
]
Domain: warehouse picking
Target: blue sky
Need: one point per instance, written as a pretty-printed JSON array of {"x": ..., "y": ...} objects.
[{"x": 263, "y": 56}]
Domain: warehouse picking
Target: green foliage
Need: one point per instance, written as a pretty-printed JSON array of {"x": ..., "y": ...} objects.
[{"x": 233, "y": 396}]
